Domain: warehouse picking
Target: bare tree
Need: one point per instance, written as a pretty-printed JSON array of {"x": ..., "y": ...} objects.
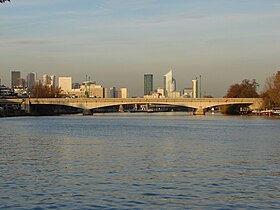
[
  {"x": 271, "y": 94},
  {"x": 44, "y": 91}
]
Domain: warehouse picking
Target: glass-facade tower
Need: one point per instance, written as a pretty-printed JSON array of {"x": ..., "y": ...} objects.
[
  {"x": 31, "y": 80},
  {"x": 15, "y": 76},
  {"x": 148, "y": 84},
  {"x": 169, "y": 83}
]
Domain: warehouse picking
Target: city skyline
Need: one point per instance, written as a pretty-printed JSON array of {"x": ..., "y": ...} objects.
[{"x": 116, "y": 42}]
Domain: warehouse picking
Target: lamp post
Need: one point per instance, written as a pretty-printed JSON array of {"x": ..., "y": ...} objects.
[
  {"x": 86, "y": 86},
  {"x": 200, "y": 93}
]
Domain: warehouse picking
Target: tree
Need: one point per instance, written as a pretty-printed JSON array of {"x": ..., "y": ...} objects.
[
  {"x": 44, "y": 91},
  {"x": 247, "y": 89},
  {"x": 271, "y": 94}
]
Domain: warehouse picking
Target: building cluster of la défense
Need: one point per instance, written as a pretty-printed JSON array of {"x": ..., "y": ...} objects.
[{"x": 90, "y": 89}]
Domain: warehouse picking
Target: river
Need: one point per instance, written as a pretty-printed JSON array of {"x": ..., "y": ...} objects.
[{"x": 140, "y": 161}]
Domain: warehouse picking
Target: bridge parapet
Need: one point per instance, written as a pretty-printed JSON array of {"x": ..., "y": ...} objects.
[{"x": 93, "y": 103}]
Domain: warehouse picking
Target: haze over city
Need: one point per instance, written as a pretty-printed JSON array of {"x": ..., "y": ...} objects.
[{"x": 116, "y": 42}]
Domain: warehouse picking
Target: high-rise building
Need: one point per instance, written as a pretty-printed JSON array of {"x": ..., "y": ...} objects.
[
  {"x": 123, "y": 93},
  {"x": 45, "y": 79},
  {"x": 15, "y": 75},
  {"x": 96, "y": 91},
  {"x": 65, "y": 83},
  {"x": 194, "y": 88},
  {"x": 52, "y": 81},
  {"x": 31, "y": 80},
  {"x": 169, "y": 83},
  {"x": 105, "y": 92},
  {"x": 148, "y": 84},
  {"x": 113, "y": 92}
]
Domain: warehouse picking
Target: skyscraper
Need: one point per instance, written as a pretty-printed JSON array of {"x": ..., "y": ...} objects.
[
  {"x": 123, "y": 93},
  {"x": 169, "y": 83},
  {"x": 15, "y": 75},
  {"x": 194, "y": 88},
  {"x": 65, "y": 83},
  {"x": 52, "y": 81},
  {"x": 45, "y": 79},
  {"x": 31, "y": 80},
  {"x": 148, "y": 84},
  {"x": 113, "y": 92}
]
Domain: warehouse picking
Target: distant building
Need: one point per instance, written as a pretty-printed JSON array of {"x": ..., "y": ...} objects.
[
  {"x": 194, "y": 88},
  {"x": 90, "y": 90},
  {"x": 65, "y": 83},
  {"x": 187, "y": 92},
  {"x": 174, "y": 94},
  {"x": 52, "y": 81},
  {"x": 113, "y": 92},
  {"x": 45, "y": 79},
  {"x": 161, "y": 92},
  {"x": 148, "y": 84},
  {"x": 15, "y": 75},
  {"x": 5, "y": 91},
  {"x": 21, "y": 82},
  {"x": 31, "y": 80},
  {"x": 123, "y": 93},
  {"x": 169, "y": 83},
  {"x": 153, "y": 95},
  {"x": 105, "y": 92},
  {"x": 76, "y": 85},
  {"x": 96, "y": 91}
]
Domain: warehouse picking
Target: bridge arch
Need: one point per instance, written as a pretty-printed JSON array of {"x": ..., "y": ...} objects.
[{"x": 94, "y": 103}]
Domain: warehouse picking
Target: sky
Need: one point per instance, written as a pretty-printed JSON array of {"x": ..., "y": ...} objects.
[{"x": 116, "y": 42}]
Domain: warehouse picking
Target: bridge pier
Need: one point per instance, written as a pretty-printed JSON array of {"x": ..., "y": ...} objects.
[
  {"x": 25, "y": 105},
  {"x": 199, "y": 111},
  {"x": 87, "y": 112}
]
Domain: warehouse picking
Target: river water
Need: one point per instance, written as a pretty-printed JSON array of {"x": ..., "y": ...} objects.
[{"x": 140, "y": 161}]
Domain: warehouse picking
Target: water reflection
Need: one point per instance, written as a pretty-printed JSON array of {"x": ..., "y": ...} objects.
[{"x": 127, "y": 161}]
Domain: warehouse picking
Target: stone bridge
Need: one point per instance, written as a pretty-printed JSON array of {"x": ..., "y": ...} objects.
[{"x": 198, "y": 104}]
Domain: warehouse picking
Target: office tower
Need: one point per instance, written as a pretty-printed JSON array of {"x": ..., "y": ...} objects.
[
  {"x": 15, "y": 75},
  {"x": 52, "y": 81},
  {"x": 113, "y": 92},
  {"x": 96, "y": 91},
  {"x": 194, "y": 88},
  {"x": 169, "y": 83},
  {"x": 105, "y": 92},
  {"x": 65, "y": 83},
  {"x": 45, "y": 79},
  {"x": 123, "y": 93},
  {"x": 148, "y": 84},
  {"x": 31, "y": 80}
]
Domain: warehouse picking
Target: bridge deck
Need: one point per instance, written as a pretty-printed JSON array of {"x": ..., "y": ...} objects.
[{"x": 92, "y": 103}]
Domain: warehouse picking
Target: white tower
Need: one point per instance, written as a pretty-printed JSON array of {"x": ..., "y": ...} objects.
[{"x": 194, "y": 88}]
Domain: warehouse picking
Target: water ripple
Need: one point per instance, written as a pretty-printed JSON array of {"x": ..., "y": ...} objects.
[{"x": 128, "y": 162}]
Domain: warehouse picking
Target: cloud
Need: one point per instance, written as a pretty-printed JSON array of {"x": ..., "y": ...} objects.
[
  {"x": 31, "y": 42},
  {"x": 174, "y": 18}
]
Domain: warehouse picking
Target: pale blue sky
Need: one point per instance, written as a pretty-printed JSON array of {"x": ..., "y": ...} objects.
[{"x": 117, "y": 41}]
